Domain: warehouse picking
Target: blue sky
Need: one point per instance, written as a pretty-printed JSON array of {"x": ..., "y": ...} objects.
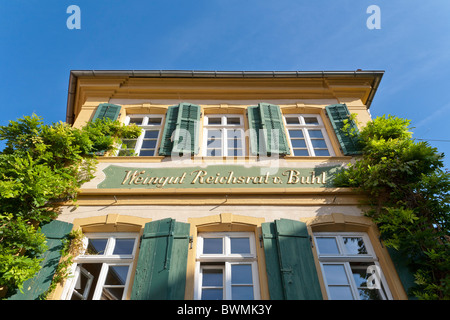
[{"x": 412, "y": 47}]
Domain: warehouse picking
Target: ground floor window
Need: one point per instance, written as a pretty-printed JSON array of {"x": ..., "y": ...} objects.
[
  {"x": 103, "y": 271},
  {"x": 226, "y": 267},
  {"x": 350, "y": 267}
]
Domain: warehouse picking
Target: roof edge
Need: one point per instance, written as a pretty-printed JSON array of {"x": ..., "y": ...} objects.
[{"x": 74, "y": 74}]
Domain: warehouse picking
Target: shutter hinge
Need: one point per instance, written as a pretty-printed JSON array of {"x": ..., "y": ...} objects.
[
  {"x": 191, "y": 241},
  {"x": 286, "y": 270},
  {"x": 311, "y": 241}
]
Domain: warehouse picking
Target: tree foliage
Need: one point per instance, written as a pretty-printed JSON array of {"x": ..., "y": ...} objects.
[
  {"x": 409, "y": 196},
  {"x": 41, "y": 166}
]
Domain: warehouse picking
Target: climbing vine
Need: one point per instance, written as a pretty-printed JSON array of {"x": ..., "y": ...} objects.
[
  {"x": 409, "y": 199},
  {"x": 40, "y": 167}
]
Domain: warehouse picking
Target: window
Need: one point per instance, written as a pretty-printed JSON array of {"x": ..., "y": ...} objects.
[
  {"x": 103, "y": 271},
  {"x": 226, "y": 267},
  {"x": 307, "y": 135},
  {"x": 147, "y": 142},
  {"x": 350, "y": 267},
  {"x": 224, "y": 136}
]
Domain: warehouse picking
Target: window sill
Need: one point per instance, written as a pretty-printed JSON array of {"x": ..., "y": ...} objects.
[
  {"x": 197, "y": 159},
  {"x": 130, "y": 159},
  {"x": 327, "y": 158}
]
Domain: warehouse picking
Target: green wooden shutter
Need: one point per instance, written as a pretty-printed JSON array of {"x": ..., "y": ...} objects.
[
  {"x": 162, "y": 261},
  {"x": 187, "y": 131},
  {"x": 272, "y": 123},
  {"x": 55, "y": 232},
  {"x": 107, "y": 110},
  {"x": 181, "y": 130},
  {"x": 267, "y": 133},
  {"x": 291, "y": 271},
  {"x": 337, "y": 114},
  {"x": 254, "y": 124},
  {"x": 405, "y": 274},
  {"x": 166, "y": 146}
]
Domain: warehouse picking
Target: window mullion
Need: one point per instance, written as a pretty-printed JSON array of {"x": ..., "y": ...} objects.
[
  {"x": 227, "y": 283},
  {"x": 351, "y": 281},
  {"x": 224, "y": 142},
  {"x": 100, "y": 282},
  {"x": 139, "y": 141},
  {"x": 308, "y": 141}
]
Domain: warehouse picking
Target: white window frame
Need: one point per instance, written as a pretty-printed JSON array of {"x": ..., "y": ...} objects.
[
  {"x": 346, "y": 259},
  {"x": 107, "y": 259},
  {"x": 224, "y": 127},
  {"x": 146, "y": 126},
  {"x": 305, "y": 129},
  {"x": 225, "y": 261}
]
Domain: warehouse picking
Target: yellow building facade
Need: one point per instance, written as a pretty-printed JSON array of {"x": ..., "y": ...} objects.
[{"x": 228, "y": 192}]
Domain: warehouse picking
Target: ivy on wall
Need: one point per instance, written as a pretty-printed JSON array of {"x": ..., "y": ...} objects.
[
  {"x": 409, "y": 196},
  {"x": 41, "y": 166}
]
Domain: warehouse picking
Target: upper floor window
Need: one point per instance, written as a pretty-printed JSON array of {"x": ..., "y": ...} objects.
[
  {"x": 147, "y": 142},
  {"x": 224, "y": 135},
  {"x": 103, "y": 271},
  {"x": 226, "y": 267},
  {"x": 350, "y": 267},
  {"x": 307, "y": 135}
]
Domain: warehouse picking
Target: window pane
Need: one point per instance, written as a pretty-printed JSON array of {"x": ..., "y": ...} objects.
[
  {"x": 154, "y": 121},
  {"x": 214, "y": 133},
  {"x": 124, "y": 246},
  {"x": 212, "y": 278},
  {"x": 327, "y": 245},
  {"x": 235, "y": 152},
  {"x": 301, "y": 152},
  {"x": 117, "y": 275},
  {"x": 360, "y": 276},
  {"x": 137, "y": 121},
  {"x": 298, "y": 143},
  {"x": 234, "y": 134},
  {"x": 242, "y": 292},
  {"x": 217, "y": 120},
  {"x": 234, "y": 143},
  {"x": 354, "y": 245},
  {"x": 292, "y": 120},
  {"x": 214, "y": 152},
  {"x": 215, "y": 143},
  {"x": 151, "y": 134},
  {"x": 318, "y": 143},
  {"x": 149, "y": 144},
  {"x": 340, "y": 293},
  {"x": 315, "y": 134},
  {"x": 311, "y": 120},
  {"x": 96, "y": 246},
  {"x": 369, "y": 294},
  {"x": 233, "y": 121},
  {"x": 241, "y": 274},
  {"x": 145, "y": 153},
  {"x": 240, "y": 245},
  {"x": 212, "y": 294},
  {"x": 212, "y": 245},
  {"x": 335, "y": 274},
  {"x": 83, "y": 284},
  {"x": 321, "y": 152},
  {"x": 296, "y": 133},
  {"x": 124, "y": 153},
  {"x": 112, "y": 294},
  {"x": 129, "y": 144}
]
